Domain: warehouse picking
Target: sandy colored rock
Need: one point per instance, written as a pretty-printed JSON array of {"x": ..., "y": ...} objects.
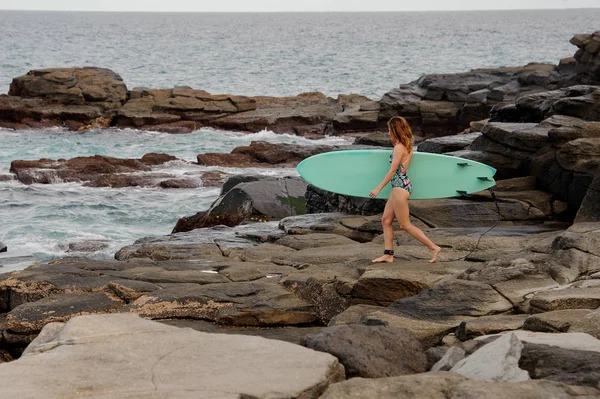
[{"x": 96, "y": 354}]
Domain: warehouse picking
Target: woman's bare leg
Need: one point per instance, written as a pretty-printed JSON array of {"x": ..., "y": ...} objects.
[
  {"x": 388, "y": 232},
  {"x": 400, "y": 203}
]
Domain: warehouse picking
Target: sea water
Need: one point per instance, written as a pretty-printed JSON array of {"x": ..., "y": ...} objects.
[{"x": 275, "y": 54}]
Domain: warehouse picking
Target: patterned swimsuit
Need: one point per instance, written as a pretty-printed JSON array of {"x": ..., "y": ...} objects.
[{"x": 400, "y": 179}]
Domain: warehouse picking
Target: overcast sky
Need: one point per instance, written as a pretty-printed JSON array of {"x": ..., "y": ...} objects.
[{"x": 289, "y": 5}]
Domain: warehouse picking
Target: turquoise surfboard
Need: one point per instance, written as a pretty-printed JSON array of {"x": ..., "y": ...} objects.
[{"x": 357, "y": 172}]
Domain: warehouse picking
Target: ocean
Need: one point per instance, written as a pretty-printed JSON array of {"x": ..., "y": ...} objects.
[{"x": 278, "y": 54}]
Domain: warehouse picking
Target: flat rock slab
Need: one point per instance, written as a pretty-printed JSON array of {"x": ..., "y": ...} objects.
[
  {"x": 29, "y": 318},
  {"x": 453, "y": 298},
  {"x": 575, "y": 341},
  {"x": 383, "y": 283},
  {"x": 118, "y": 356},
  {"x": 246, "y": 303},
  {"x": 556, "y": 320},
  {"x": 490, "y": 325},
  {"x": 446, "y": 385},
  {"x": 568, "y": 298}
]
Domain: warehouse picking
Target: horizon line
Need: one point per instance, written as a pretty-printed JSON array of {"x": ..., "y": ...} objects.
[{"x": 305, "y": 11}]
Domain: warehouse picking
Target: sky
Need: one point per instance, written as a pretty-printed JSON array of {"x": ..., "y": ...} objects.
[{"x": 289, "y": 5}]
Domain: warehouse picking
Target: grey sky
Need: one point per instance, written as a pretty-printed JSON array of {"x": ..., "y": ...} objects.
[{"x": 289, "y": 5}]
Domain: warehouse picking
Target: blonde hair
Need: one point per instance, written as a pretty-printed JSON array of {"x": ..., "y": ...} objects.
[{"x": 400, "y": 132}]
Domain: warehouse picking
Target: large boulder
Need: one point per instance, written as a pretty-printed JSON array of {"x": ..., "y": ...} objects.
[
  {"x": 268, "y": 198},
  {"x": 3, "y": 247},
  {"x": 78, "y": 98},
  {"x": 588, "y": 57},
  {"x": 370, "y": 351},
  {"x": 120, "y": 355}
]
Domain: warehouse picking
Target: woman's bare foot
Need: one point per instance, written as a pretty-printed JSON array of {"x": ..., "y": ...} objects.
[
  {"x": 434, "y": 254},
  {"x": 384, "y": 259}
]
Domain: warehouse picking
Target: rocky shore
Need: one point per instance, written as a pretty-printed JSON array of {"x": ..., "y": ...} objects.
[{"x": 275, "y": 281}]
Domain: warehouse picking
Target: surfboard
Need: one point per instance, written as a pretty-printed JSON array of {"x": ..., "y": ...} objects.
[{"x": 357, "y": 172}]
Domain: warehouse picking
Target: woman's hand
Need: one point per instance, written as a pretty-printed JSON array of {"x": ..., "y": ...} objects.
[{"x": 374, "y": 193}]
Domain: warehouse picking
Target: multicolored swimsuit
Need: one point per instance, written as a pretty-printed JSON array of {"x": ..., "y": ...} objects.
[{"x": 400, "y": 179}]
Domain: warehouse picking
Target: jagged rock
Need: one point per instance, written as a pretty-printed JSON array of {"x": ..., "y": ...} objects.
[
  {"x": 159, "y": 363},
  {"x": 452, "y": 356},
  {"x": 370, "y": 351},
  {"x": 587, "y": 58},
  {"x": 496, "y": 361},
  {"x": 445, "y": 104},
  {"x": 577, "y": 101}
]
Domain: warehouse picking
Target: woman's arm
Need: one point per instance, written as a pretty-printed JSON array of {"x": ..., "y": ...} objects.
[{"x": 398, "y": 153}]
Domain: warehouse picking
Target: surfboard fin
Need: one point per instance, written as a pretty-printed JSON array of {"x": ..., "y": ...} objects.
[
  {"x": 463, "y": 164},
  {"x": 484, "y": 178},
  {"x": 461, "y": 192}
]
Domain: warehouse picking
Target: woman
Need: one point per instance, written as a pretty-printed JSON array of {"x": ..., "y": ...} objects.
[{"x": 397, "y": 204}]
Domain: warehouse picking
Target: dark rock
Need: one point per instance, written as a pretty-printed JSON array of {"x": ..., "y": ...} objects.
[
  {"x": 78, "y": 98},
  {"x": 3, "y": 247},
  {"x": 445, "y": 104},
  {"x": 452, "y": 298},
  {"x": 178, "y": 110},
  {"x": 268, "y": 198},
  {"x": 589, "y": 211},
  {"x": 577, "y": 101},
  {"x": 202, "y": 220},
  {"x": 262, "y": 154},
  {"x": 442, "y": 145},
  {"x": 379, "y": 139},
  {"x": 321, "y": 201},
  {"x": 247, "y": 303},
  {"x": 100, "y": 171},
  {"x": 29, "y": 318},
  {"x": 570, "y": 366},
  {"x": 370, "y": 351}
]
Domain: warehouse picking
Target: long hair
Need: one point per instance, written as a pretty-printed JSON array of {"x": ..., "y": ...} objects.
[{"x": 400, "y": 132}]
